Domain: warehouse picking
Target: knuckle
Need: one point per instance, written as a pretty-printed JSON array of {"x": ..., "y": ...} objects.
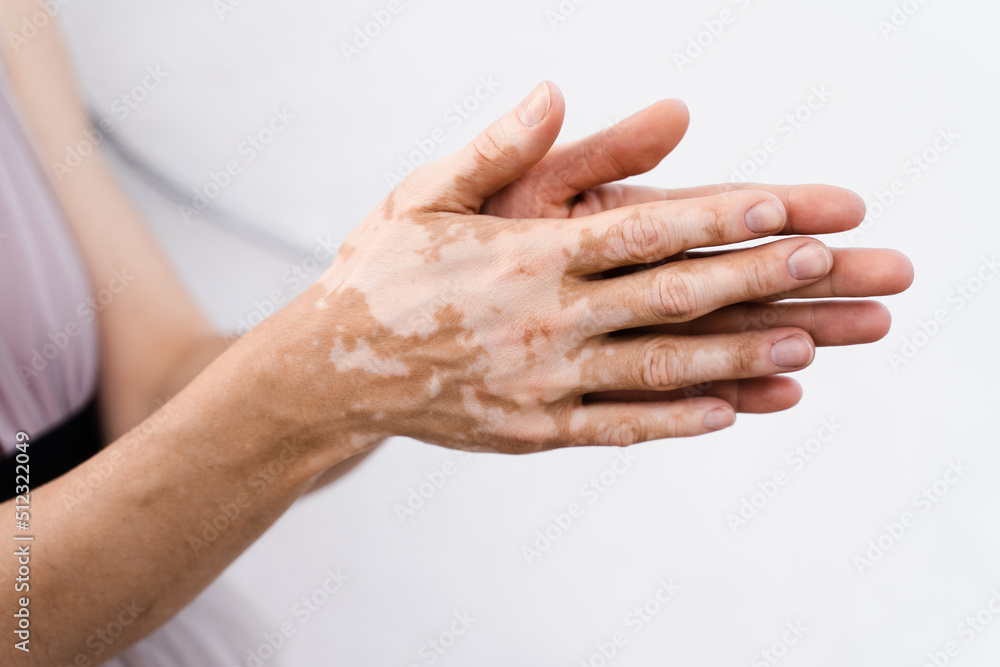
[
  {"x": 492, "y": 147},
  {"x": 627, "y": 431},
  {"x": 661, "y": 367},
  {"x": 598, "y": 153},
  {"x": 743, "y": 358},
  {"x": 676, "y": 425},
  {"x": 639, "y": 236},
  {"x": 758, "y": 279},
  {"x": 675, "y": 297},
  {"x": 715, "y": 220}
]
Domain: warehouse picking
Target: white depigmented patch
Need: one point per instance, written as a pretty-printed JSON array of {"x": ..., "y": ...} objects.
[
  {"x": 493, "y": 418},
  {"x": 362, "y": 357},
  {"x": 359, "y": 441},
  {"x": 471, "y": 403},
  {"x": 435, "y": 385}
]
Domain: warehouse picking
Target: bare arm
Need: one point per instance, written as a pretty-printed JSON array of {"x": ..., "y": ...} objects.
[
  {"x": 436, "y": 322},
  {"x": 162, "y": 523},
  {"x": 154, "y": 339}
]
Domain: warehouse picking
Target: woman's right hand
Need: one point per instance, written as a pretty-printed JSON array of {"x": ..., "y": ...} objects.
[{"x": 484, "y": 333}]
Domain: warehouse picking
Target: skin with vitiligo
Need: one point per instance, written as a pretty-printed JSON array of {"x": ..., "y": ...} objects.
[
  {"x": 488, "y": 304},
  {"x": 502, "y": 330}
]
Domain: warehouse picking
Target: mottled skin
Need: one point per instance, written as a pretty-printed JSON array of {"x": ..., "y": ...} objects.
[{"x": 494, "y": 301}]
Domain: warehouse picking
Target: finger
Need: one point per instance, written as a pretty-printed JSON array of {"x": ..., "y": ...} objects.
[
  {"x": 861, "y": 272},
  {"x": 628, "y": 148},
  {"x": 648, "y": 233},
  {"x": 663, "y": 363},
  {"x": 685, "y": 290},
  {"x": 500, "y": 155},
  {"x": 856, "y": 272},
  {"x": 829, "y": 323},
  {"x": 621, "y": 425},
  {"x": 812, "y": 209},
  {"x": 751, "y": 395}
]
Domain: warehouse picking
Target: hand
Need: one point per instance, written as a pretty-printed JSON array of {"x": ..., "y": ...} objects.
[
  {"x": 485, "y": 333},
  {"x": 583, "y": 178}
]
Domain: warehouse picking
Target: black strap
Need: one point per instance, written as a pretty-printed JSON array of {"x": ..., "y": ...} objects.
[{"x": 56, "y": 452}]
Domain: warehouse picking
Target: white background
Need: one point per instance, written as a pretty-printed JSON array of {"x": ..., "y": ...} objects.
[{"x": 666, "y": 517}]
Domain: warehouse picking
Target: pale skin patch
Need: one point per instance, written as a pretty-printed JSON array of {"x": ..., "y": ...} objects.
[
  {"x": 499, "y": 332},
  {"x": 362, "y": 357},
  {"x": 434, "y": 386},
  {"x": 484, "y": 345},
  {"x": 479, "y": 349}
]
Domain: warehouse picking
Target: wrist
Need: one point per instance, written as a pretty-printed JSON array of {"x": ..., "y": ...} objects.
[{"x": 287, "y": 382}]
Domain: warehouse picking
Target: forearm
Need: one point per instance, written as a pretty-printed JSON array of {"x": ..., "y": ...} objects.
[
  {"x": 203, "y": 352},
  {"x": 194, "y": 359},
  {"x": 162, "y": 522}
]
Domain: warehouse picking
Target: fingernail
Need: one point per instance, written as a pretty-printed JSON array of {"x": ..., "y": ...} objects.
[
  {"x": 810, "y": 262},
  {"x": 767, "y": 216},
  {"x": 794, "y": 352},
  {"x": 535, "y": 107},
  {"x": 719, "y": 419}
]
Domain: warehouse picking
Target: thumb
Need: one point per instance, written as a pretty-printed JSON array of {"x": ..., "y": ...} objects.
[{"x": 503, "y": 152}]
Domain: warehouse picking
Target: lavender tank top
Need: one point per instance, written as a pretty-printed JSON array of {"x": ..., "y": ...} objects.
[
  {"x": 49, "y": 369},
  {"x": 48, "y": 331}
]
